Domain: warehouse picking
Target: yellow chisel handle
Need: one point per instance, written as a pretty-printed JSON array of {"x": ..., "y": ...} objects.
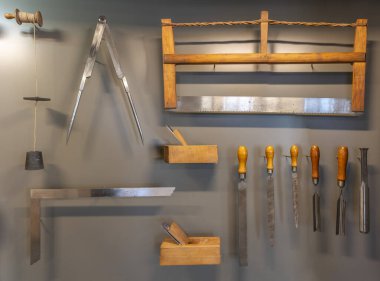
[
  {"x": 242, "y": 155},
  {"x": 342, "y": 156},
  {"x": 314, "y": 155},
  {"x": 269, "y": 154},
  {"x": 294, "y": 157}
]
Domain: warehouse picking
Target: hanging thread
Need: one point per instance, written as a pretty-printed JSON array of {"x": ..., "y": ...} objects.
[{"x": 36, "y": 88}]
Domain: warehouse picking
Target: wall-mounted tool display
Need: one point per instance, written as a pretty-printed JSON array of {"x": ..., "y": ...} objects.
[
  {"x": 184, "y": 153},
  {"x": 265, "y": 105},
  {"x": 295, "y": 182},
  {"x": 181, "y": 249},
  {"x": 34, "y": 159},
  {"x": 102, "y": 27},
  {"x": 269, "y": 154},
  {"x": 242, "y": 154},
  {"x": 364, "y": 193},
  {"x": 36, "y": 195},
  {"x": 314, "y": 155},
  {"x": 342, "y": 158}
]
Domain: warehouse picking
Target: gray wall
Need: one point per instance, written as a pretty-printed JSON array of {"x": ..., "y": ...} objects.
[{"x": 119, "y": 239}]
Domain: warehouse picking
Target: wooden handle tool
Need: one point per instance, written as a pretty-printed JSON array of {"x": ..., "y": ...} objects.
[
  {"x": 177, "y": 233},
  {"x": 342, "y": 156},
  {"x": 242, "y": 157},
  {"x": 314, "y": 155},
  {"x": 24, "y": 17},
  {"x": 177, "y": 134},
  {"x": 294, "y": 157},
  {"x": 269, "y": 154}
]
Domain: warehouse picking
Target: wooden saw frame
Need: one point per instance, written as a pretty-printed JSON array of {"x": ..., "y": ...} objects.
[{"x": 268, "y": 105}]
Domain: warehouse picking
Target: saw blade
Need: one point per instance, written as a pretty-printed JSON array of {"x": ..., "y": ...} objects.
[
  {"x": 242, "y": 223},
  {"x": 270, "y": 216},
  {"x": 295, "y": 187}
]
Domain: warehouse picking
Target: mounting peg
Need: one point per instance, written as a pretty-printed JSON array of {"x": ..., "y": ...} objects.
[{"x": 24, "y": 17}]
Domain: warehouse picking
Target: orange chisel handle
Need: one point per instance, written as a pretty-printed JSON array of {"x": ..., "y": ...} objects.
[
  {"x": 269, "y": 154},
  {"x": 242, "y": 154},
  {"x": 314, "y": 155},
  {"x": 294, "y": 157},
  {"x": 342, "y": 156}
]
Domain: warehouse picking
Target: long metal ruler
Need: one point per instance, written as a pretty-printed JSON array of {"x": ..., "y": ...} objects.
[{"x": 36, "y": 195}]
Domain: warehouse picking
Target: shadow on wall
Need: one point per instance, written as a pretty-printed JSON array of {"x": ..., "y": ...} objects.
[{"x": 56, "y": 34}]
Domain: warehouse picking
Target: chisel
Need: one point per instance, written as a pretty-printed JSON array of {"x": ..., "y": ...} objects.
[
  {"x": 295, "y": 183},
  {"x": 341, "y": 180},
  {"x": 314, "y": 155},
  {"x": 364, "y": 193},
  {"x": 242, "y": 154},
  {"x": 269, "y": 154}
]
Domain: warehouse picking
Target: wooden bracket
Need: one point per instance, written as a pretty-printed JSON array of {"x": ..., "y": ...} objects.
[{"x": 357, "y": 57}]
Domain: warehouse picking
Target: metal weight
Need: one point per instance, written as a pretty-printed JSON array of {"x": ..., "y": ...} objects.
[{"x": 34, "y": 160}]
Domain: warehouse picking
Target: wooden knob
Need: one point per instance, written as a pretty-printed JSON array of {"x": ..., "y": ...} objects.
[
  {"x": 269, "y": 154},
  {"x": 342, "y": 156},
  {"x": 314, "y": 155},
  {"x": 9, "y": 16},
  {"x": 294, "y": 156},
  {"x": 242, "y": 154}
]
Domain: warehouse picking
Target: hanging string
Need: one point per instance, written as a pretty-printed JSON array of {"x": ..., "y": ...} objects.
[{"x": 36, "y": 88}]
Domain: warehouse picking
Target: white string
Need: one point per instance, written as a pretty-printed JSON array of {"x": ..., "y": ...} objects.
[{"x": 35, "y": 76}]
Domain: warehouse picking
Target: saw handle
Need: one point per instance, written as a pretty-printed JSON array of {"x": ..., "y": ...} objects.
[
  {"x": 342, "y": 156},
  {"x": 242, "y": 155},
  {"x": 269, "y": 154},
  {"x": 294, "y": 156},
  {"x": 314, "y": 155}
]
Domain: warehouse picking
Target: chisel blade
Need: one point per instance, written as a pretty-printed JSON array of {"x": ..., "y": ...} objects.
[
  {"x": 242, "y": 223},
  {"x": 316, "y": 213},
  {"x": 295, "y": 188},
  {"x": 271, "y": 214},
  {"x": 340, "y": 216}
]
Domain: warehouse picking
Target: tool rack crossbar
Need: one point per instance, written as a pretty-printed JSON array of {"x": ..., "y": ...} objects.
[{"x": 357, "y": 58}]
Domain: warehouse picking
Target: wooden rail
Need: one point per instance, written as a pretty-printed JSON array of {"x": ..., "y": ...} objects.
[{"x": 357, "y": 57}]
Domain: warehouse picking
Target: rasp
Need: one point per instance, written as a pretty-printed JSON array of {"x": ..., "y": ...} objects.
[
  {"x": 295, "y": 183},
  {"x": 242, "y": 206},
  {"x": 315, "y": 155},
  {"x": 269, "y": 154},
  {"x": 342, "y": 157},
  {"x": 364, "y": 193}
]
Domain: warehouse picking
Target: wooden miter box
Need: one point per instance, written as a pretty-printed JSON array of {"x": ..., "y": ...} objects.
[
  {"x": 181, "y": 249},
  {"x": 192, "y": 154},
  {"x": 199, "y": 251}
]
